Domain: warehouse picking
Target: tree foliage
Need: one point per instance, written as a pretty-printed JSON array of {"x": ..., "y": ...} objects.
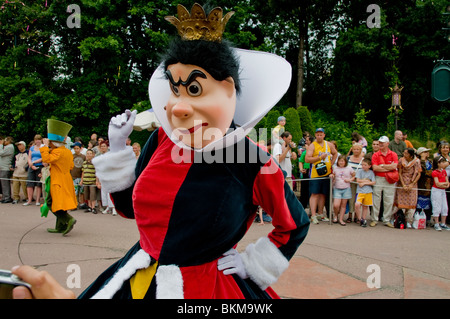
[
  {"x": 85, "y": 75},
  {"x": 305, "y": 119}
]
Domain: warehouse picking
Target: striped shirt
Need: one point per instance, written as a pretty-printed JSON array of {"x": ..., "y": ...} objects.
[{"x": 89, "y": 173}]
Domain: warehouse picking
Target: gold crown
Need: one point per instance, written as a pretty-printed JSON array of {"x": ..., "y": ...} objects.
[{"x": 196, "y": 26}]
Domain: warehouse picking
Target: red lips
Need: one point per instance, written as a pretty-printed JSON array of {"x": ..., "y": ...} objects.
[{"x": 193, "y": 129}]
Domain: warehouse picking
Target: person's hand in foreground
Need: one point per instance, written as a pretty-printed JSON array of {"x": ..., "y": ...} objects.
[{"x": 43, "y": 285}]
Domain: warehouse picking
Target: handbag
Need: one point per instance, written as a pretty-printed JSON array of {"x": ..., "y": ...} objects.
[
  {"x": 321, "y": 168},
  {"x": 392, "y": 177}
]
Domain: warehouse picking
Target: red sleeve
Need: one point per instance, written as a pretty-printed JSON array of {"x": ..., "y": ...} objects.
[
  {"x": 376, "y": 159},
  {"x": 433, "y": 174},
  {"x": 290, "y": 221}
]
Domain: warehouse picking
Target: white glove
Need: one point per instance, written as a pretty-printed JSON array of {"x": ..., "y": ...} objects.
[
  {"x": 232, "y": 263},
  {"x": 120, "y": 127}
]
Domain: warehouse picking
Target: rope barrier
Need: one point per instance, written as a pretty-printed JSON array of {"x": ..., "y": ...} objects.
[
  {"x": 316, "y": 178},
  {"x": 21, "y": 180},
  {"x": 294, "y": 180}
]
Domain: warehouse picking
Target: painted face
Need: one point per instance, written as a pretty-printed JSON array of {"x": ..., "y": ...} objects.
[{"x": 200, "y": 108}]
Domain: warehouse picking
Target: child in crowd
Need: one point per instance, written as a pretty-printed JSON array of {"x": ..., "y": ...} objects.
[
  {"x": 278, "y": 130},
  {"x": 438, "y": 197},
  {"x": 89, "y": 181},
  {"x": 342, "y": 176},
  {"x": 366, "y": 180},
  {"x": 76, "y": 172}
]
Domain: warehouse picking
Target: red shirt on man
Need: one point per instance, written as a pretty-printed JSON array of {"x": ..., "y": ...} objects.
[{"x": 378, "y": 158}]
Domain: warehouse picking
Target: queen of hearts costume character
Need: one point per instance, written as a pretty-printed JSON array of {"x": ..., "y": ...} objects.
[{"x": 196, "y": 187}]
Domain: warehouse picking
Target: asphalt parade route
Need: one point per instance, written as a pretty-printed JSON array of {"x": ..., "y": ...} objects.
[{"x": 334, "y": 262}]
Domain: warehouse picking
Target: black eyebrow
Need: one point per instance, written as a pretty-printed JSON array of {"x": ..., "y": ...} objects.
[{"x": 192, "y": 76}]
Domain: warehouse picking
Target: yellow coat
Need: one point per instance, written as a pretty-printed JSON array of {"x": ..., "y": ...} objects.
[{"x": 61, "y": 186}]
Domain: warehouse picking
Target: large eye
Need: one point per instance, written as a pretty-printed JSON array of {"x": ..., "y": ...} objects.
[
  {"x": 175, "y": 90},
  {"x": 194, "y": 89}
]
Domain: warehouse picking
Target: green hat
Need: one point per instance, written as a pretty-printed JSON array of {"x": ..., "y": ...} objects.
[{"x": 57, "y": 130}]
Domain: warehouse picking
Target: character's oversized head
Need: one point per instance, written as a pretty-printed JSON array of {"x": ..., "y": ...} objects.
[{"x": 208, "y": 95}]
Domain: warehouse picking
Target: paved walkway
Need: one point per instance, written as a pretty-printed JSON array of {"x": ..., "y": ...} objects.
[{"x": 334, "y": 261}]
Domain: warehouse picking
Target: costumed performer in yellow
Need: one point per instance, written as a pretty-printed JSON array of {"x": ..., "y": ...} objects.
[{"x": 62, "y": 192}]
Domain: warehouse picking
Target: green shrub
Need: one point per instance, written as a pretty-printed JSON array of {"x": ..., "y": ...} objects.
[
  {"x": 305, "y": 119},
  {"x": 293, "y": 124},
  {"x": 271, "y": 121}
]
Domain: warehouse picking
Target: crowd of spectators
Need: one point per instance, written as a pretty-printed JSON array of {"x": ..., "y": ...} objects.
[
  {"x": 23, "y": 172},
  {"x": 405, "y": 182}
]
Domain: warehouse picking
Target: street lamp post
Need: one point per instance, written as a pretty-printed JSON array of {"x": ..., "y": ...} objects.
[{"x": 396, "y": 102}]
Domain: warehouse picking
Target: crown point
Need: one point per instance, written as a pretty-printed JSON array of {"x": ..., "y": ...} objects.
[{"x": 196, "y": 26}]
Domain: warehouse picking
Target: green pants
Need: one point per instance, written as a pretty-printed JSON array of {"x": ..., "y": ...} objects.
[{"x": 62, "y": 219}]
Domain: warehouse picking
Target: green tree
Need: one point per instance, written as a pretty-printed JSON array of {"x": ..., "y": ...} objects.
[
  {"x": 335, "y": 130},
  {"x": 368, "y": 62},
  {"x": 27, "y": 69},
  {"x": 271, "y": 121},
  {"x": 305, "y": 119},
  {"x": 293, "y": 124},
  {"x": 298, "y": 15}
]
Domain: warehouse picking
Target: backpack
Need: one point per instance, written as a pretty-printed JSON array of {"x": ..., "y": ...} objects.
[{"x": 400, "y": 220}]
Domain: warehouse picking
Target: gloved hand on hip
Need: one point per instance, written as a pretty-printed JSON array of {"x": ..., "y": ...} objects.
[
  {"x": 232, "y": 263},
  {"x": 120, "y": 127}
]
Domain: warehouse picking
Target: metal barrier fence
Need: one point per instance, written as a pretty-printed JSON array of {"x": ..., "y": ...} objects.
[{"x": 329, "y": 211}]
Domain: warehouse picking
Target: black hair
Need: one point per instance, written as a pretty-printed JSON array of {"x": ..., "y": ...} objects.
[
  {"x": 217, "y": 58},
  {"x": 411, "y": 152},
  {"x": 285, "y": 134},
  {"x": 438, "y": 159}
]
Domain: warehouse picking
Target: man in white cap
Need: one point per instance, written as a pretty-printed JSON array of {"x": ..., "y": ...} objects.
[{"x": 383, "y": 161}]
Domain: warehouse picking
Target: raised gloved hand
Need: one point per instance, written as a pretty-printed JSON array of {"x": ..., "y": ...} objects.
[
  {"x": 232, "y": 263},
  {"x": 120, "y": 127}
]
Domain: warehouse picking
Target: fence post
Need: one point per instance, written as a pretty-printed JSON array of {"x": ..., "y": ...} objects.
[{"x": 331, "y": 201}]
